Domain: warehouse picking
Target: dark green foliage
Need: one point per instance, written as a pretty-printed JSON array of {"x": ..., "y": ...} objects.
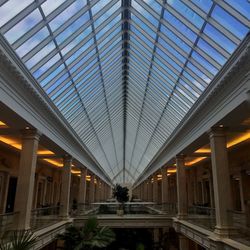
[
  {"x": 120, "y": 193},
  {"x": 91, "y": 236},
  {"x": 19, "y": 240}
]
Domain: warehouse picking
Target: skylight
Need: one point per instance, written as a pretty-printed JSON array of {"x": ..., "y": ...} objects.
[{"x": 124, "y": 73}]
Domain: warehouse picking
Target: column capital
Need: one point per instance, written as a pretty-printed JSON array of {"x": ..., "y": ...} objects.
[
  {"x": 67, "y": 158},
  {"x": 32, "y": 134},
  {"x": 180, "y": 157},
  {"x": 84, "y": 169},
  {"x": 218, "y": 131}
]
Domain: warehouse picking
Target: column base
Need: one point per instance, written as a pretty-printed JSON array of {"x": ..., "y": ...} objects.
[
  {"x": 64, "y": 217},
  {"x": 225, "y": 232},
  {"x": 182, "y": 216}
]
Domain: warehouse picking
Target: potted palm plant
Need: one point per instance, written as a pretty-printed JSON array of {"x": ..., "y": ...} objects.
[
  {"x": 121, "y": 195},
  {"x": 16, "y": 240}
]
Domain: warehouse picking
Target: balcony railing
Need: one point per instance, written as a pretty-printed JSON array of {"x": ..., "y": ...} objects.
[
  {"x": 165, "y": 208},
  {"x": 42, "y": 217},
  {"x": 7, "y": 222},
  {"x": 202, "y": 216},
  {"x": 240, "y": 221},
  {"x": 111, "y": 207}
]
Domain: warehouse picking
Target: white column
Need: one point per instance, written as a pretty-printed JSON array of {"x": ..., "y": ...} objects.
[
  {"x": 181, "y": 187},
  {"x": 97, "y": 190},
  {"x": 155, "y": 189},
  {"x": 66, "y": 183},
  {"x": 82, "y": 186},
  {"x": 183, "y": 242},
  {"x": 145, "y": 191},
  {"x": 150, "y": 189},
  {"x": 26, "y": 178},
  {"x": 164, "y": 187},
  {"x": 92, "y": 189},
  {"x": 221, "y": 180}
]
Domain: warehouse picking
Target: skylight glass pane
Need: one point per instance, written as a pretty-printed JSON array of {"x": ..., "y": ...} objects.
[
  {"x": 175, "y": 39},
  {"x": 205, "y": 5},
  {"x": 107, "y": 14},
  {"x": 145, "y": 13},
  {"x": 168, "y": 59},
  {"x": 229, "y": 22},
  {"x": 52, "y": 75},
  {"x": 47, "y": 65},
  {"x": 32, "y": 42},
  {"x": 211, "y": 51},
  {"x": 73, "y": 27},
  {"x": 98, "y": 6},
  {"x": 80, "y": 51},
  {"x": 142, "y": 37},
  {"x": 219, "y": 38},
  {"x": 66, "y": 14},
  {"x": 195, "y": 82},
  {"x": 49, "y": 6},
  {"x": 243, "y": 6},
  {"x": 40, "y": 55},
  {"x": 199, "y": 73},
  {"x": 11, "y": 8},
  {"x": 23, "y": 26},
  {"x": 176, "y": 23},
  {"x": 145, "y": 28},
  {"x": 172, "y": 50},
  {"x": 186, "y": 12},
  {"x": 208, "y": 66},
  {"x": 154, "y": 5},
  {"x": 108, "y": 27}
]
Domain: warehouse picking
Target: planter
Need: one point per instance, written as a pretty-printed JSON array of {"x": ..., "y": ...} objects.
[{"x": 120, "y": 212}]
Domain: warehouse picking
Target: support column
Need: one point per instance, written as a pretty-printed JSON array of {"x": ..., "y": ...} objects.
[
  {"x": 65, "y": 189},
  {"x": 164, "y": 187},
  {"x": 97, "y": 190},
  {"x": 155, "y": 189},
  {"x": 182, "y": 204},
  {"x": 221, "y": 180},
  {"x": 183, "y": 242},
  {"x": 82, "y": 187},
  {"x": 150, "y": 189},
  {"x": 26, "y": 178},
  {"x": 92, "y": 189},
  {"x": 145, "y": 191}
]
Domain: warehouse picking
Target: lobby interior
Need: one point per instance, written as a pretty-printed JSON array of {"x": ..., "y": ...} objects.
[{"x": 153, "y": 95}]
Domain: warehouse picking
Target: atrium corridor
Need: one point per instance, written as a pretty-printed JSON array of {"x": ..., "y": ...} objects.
[{"x": 153, "y": 95}]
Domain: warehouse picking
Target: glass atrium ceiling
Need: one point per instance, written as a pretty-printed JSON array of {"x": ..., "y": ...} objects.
[{"x": 124, "y": 73}]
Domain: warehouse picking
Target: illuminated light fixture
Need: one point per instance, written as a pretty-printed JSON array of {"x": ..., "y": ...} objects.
[
  {"x": 196, "y": 160},
  {"x": 230, "y": 144},
  {"x": 79, "y": 175},
  {"x": 53, "y": 162},
  {"x": 203, "y": 150},
  {"x": 171, "y": 171},
  {"x": 221, "y": 125},
  {"x": 168, "y": 174},
  {"x": 75, "y": 171},
  {"x": 238, "y": 140},
  {"x": 11, "y": 142},
  {"x": 44, "y": 152},
  {"x": 159, "y": 176},
  {"x": 27, "y": 128},
  {"x": 2, "y": 124}
]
